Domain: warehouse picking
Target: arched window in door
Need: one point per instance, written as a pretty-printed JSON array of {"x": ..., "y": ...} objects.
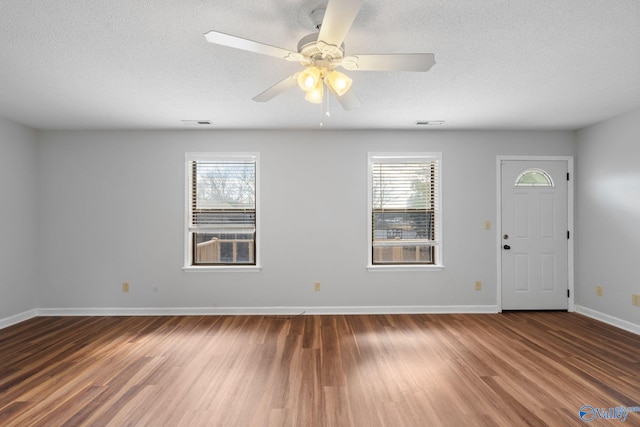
[{"x": 534, "y": 178}]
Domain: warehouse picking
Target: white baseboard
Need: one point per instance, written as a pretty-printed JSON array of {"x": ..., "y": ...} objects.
[
  {"x": 17, "y": 318},
  {"x": 405, "y": 309},
  {"x": 231, "y": 311},
  {"x": 622, "y": 324},
  {"x": 221, "y": 311}
]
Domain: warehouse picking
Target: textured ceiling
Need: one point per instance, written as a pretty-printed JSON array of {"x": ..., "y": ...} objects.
[{"x": 142, "y": 64}]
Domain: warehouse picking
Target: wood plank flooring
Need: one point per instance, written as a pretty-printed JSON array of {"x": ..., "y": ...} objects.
[{"x": 511, "y": 369}]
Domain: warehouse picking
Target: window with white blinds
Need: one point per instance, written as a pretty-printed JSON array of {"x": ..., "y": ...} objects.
[
  {"x": 222, "y": 210},
  {"x": 404, "y": 209}
]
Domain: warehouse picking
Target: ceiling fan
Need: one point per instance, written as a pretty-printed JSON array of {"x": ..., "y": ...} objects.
[{"x": 321, "y": 53}]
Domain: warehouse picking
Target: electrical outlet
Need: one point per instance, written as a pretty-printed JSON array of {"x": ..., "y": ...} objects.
[
  {"x": 599, "y": 291},
  {"x": 487, "y": 225},
  {"x": 635, "y": 299},
  {"x": 125, "y": 286},
  {"x": 478, "y": 285},
  {"x": 316, "y": 286}
]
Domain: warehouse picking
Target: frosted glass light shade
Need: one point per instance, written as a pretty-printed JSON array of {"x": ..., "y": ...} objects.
[
  {"x": 339, "y": 82},
  {"x": 309, "y": 78},
  {"x": 315, "y": 95}
]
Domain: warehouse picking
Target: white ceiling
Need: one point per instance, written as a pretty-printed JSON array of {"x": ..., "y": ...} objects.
[{"x": 143, "y": 64}]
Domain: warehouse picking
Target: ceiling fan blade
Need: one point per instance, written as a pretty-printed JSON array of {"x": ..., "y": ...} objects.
[
  {"x": 337, "y": 20},
  {"x": 277, "y": 89},
  {"x": 390, "y": 62},
  {"x": 348, "y": 100},
  {"x": 223, "y": 39}
]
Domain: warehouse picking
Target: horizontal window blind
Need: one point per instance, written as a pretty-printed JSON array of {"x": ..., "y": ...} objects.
[
  {"x": 223, "y": 195},
  {"x": 222, "y": 211},
  {"x": 404, "y": 210}
]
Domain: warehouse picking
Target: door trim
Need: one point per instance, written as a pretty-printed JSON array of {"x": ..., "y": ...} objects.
[{"x": 570, "y": 224}]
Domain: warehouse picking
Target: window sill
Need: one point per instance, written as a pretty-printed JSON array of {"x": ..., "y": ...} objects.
[
  {"x": 222, "y": 268},
  {"x": 405, "y": 267}
]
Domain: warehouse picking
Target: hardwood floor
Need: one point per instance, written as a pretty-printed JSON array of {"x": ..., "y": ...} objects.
[{"x": 510, "y": 369}]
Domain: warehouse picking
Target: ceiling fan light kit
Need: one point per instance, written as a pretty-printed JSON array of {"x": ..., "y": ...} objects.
[
  {"x": 311, "y": 79},
  {"x": 320, "y": 53}
]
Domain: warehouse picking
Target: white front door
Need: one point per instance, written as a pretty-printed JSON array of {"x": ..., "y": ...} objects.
[{"x": 534, "y": 234}]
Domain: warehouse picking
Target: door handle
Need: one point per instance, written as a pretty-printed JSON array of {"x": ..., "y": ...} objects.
[{"x": 506, "y": 247}]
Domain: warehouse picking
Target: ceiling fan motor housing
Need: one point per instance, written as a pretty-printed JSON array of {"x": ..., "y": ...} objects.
[{"x": 318, "y": 53}]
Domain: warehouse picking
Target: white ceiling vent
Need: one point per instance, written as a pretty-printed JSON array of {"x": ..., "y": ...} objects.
[
  {"x": 430, "y": 122},
  {"x": 197, "y": 122}
]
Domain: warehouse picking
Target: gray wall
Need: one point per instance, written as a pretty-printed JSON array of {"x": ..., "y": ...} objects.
[
  {"x": 608, "y": 212},
  {"x": 18, "y": 220},
  {"x": 81, "y": 212},
  {"x": 112, "y": 210}
]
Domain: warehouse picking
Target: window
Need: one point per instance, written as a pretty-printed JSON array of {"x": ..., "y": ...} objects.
[
  {"x": 534, "y": 178},
  {"x": 222, "y": 214},
  {"x": 404, "y": 214}
]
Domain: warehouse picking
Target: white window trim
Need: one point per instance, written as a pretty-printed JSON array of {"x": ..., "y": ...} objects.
[
  {"x": 400, "y": 157},
  {"x": 212, "y": 156}
]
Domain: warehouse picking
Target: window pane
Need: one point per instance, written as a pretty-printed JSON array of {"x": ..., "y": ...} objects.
[
  {"x": 534, "y": 178},
  {"x": 414, "y": 254},
  {"x": 224, "y": 248}
]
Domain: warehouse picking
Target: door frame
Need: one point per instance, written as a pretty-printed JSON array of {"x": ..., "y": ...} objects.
[{"x": 570, "y": 223}]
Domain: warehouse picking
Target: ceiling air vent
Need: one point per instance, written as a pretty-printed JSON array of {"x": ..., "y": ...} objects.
[
  {"x": 197, "y": 122},
  {"x": 430, "y": 122}
]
